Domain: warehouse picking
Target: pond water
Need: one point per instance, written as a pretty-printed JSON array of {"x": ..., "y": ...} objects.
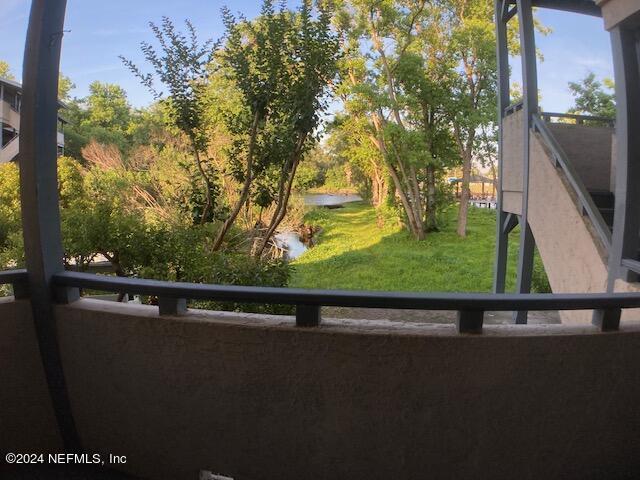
[
  {"x": 330, "y": 199},
  {"x": 290, "y": 241}
]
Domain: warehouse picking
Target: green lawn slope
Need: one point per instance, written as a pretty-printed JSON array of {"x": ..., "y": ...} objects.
[{"x": 355, "y": 254}]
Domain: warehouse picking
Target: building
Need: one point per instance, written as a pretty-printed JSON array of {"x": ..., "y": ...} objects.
[
  {"x": 10, "y": 103},
  {"x": 571, "y": 185},
  {"x": 180, "y": 392}
]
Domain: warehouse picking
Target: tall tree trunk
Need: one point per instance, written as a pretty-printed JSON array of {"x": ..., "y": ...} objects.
[
  {"x": 414, "y": 210},
  {"x": 284, "y": 192},
  {"x": 207, "y": 184},
  {"x": 466, "y": 152},
  {"x": 379, "y": 143},
  {"x": 409, "y": 185},
  {"x": 465, "y": 194},
  {"x": 431, "y": 220},
  {"x": 379, "y": 186},
  {"x": 246, "y": 187},
  {"x": 417, "y": 202}
]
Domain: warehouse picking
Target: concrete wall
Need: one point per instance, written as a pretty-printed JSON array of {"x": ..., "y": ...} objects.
[
  {"x": 570, "y": 251},
  {"x": 574, "y": 260},
  {"x": 27, "y": 422},
  {"x": 614, "y": 159},
  {"x": 253, "y": 397},
  {"x": 9, "y": 115},
  {"x": 9, "y": 151},
  {"x": 512, "y": 163},
  {"x": 616, "y": 11},
  {"x": 589, "y": 150}
]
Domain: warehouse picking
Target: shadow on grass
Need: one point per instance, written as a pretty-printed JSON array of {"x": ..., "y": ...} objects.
[{"x": 355, "y": 254}]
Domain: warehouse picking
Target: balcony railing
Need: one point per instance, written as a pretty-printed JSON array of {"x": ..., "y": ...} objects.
[
  {"x": 513, "y": 108},
  {"x": 579, "y": 119},
  {"x": 172, "y": 298}
]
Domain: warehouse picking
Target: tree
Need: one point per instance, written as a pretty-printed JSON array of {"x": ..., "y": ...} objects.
[
  {"x": 473, "y": 103},
  {"x": 268, "y": 92},
  {"x": 180, "y": 65},
  {"x": 371, "y": 89},
  {"x": 5, "y": 71},
  {"x": 350, "y": 144},
  {"x": 250, "y": 63},
  {"x": 308, "y": 67},
  {"x": 103, "y": 116},
  {"x": 425, "y": 74},
  {"x": 65, "y": 85},
  {"x": 593, "y": 97}
]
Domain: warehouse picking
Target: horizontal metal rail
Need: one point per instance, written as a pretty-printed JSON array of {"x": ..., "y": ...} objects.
[
  {"x": 470, "y": 306},
  {"x": 631, "y": 264},
  {"x": 584, "y": 198},
  {"x": 585, "y": 7},
  {"x": 17, "y": 279},
  {"x": 580, "y": 119},
  {"x": 513, "y": 108}
]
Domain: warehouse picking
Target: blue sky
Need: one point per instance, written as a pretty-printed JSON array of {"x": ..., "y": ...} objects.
[{"x": 100, "y": 30}]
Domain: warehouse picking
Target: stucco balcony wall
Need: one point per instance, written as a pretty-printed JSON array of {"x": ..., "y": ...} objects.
[
  {"x": 254, "y": 397},
  {"x": 9, "y": 115},
  {"x": 512, "y": 162},
  {"x": 27, "y": 422},
  {"x": 589, "y": 149}
]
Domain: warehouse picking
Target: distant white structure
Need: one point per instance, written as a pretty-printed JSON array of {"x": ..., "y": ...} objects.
[{"x": 10, "y": 102}]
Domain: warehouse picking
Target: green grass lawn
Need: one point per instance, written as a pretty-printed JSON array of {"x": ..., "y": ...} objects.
[{"x": 353, "y": 253}]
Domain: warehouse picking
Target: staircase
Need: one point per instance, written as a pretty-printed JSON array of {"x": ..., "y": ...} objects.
[
  {"x": 10, "y": 150},
  {"x": 605, "y": 201}
]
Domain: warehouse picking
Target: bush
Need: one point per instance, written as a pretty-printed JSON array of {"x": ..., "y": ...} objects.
[
  {"x": 240, "y": 269},
  {"x": 539, "y": 280}
]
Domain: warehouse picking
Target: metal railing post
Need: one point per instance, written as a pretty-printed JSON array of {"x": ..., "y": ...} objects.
[
  {"x": 470, "y": 321},
  {"x": 39, "y": 196},
  {"x": 172, "y": 306},
  {"x": 608, "y": 319},
  {"x": 308, "y": 315}
]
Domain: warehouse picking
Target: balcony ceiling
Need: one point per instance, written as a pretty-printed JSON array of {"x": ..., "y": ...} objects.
[{"x": 586, "y": 7}]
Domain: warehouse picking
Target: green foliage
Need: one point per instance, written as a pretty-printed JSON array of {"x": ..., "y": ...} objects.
[
  {"x": 350, "y": 149},
  {"x": 336, "y": 179},
  {"x": 354, "y": 254},
  {"x": 181, "y": 66},
  {"x": 107, "y": 106},
  {"x": 11, "y": 246},
  {"x": 65, "y": 85},
  {"x": 5, "y": 71},
  {"x": 281, "y": 64},
  {"x": 240, "y": 269},
  {"x": 592, "y": 97},
  {"x": 100, "y": 217},
  {"x": 104, "y": 116},
  {"x": 237, "y": 129},
  {"x": 539, "y": 281}
]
